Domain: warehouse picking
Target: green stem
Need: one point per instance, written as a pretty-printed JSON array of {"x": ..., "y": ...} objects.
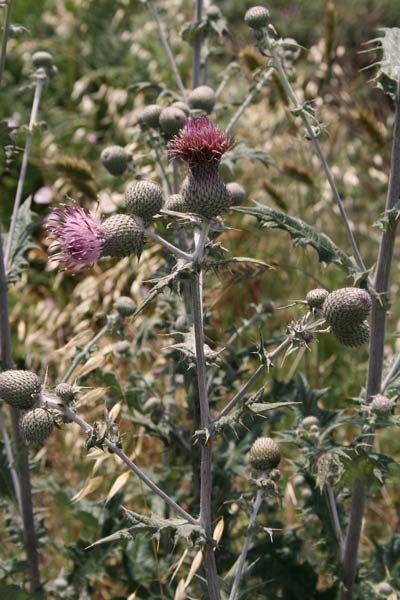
[{"x": 6, "y": 31}]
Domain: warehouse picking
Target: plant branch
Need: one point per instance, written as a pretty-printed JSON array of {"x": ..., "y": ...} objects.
[
  {"x": 6, "y": 31},
  {"x": 39, "y": 85},
  {"x": 23, "y": 490},
  {"x": 394, "y": 369},
  {"x": 167, "y": 49},
  {"x": 84, "y": 352},
  {"x": 119, "y": 452},
  {"x": 198, "y": 42},
  {"x": 255, "y": 508},
  {"x": 249, "y": 99},
  {"x": 376, "y": 355},
  {"x": 157, "y": 238},
  {"x": 335, "y": 519},
  {"x": 277, "y": 63}
]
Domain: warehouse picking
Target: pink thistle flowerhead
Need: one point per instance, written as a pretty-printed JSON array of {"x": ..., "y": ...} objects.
[
  {"x": 199, "y": 143},
  {"x": 78, "y": 235}
]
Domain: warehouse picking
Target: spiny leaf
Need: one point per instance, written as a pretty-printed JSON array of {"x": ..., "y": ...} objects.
[
  {"x": 302, "y": 234},
  {"x": 389, "y": 65},
  {"x": 238, "y": 267},
  {"x": 241, "y": 151},
  {"x": 21, "y": 242}
]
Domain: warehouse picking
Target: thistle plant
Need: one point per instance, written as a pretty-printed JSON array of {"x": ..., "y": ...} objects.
[{"x": 230, "y": 460}]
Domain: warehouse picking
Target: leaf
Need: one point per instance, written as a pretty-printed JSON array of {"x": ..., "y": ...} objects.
[
  {"x": 21, "y": 242},
  {"x": 118, "y": 484},
  {"x": 91, "y": 486},
  {"x": 161, "y": 283},
  {"x": 389, "y": 65},
  {"x": 241, "y": 151},
  {"x": 238, "y": 267},
  {"x": 302, "y": 234}
]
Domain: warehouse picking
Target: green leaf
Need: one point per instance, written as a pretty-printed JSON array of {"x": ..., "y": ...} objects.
[
  {"x": 21, "y": 242},
  {"x": 389, "y": 65},
  {"x": 302, "y": 234},
  {"x": 241, "y": 151}
]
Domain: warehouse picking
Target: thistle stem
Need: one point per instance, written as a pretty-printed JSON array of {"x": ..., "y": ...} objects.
[
  {"x": 335, "y": 520},
  {"x": 394, "y": 369},
  {"x": 248, "y": 100},
  {"x": 39, "y": 85},
  {"x": 376, "y": 355},
  {"x": 10, "y": 459},
  {"x": 255, "y": 508},
  {"x": 198, "y": 42},
  {"x": 277, "y": 64},
  {"x": 167, "y": 49},
  {"x": 132, "y": 466},
  {"x": 6, "y": 31},
  {"x": 23, "y": 490},
  {"x": 84, "y": 352},
  {"x": 157, "y": 238}
]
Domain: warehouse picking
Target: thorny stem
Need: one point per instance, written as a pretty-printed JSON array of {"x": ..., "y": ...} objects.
[
  {"x": 277, "y": 64},
  {"x": 10, "y": 459},
  {"x": 39, "y": 85},
  {"x": 198, "y": 41},
  {"x": 336, "y": 521},
  {"x": 84, "y": 352},
  {"x": 248, "y": 100},
  {"x": 116, "y": 450},
  {"x": 376, "y": 354},
  {"x": 256, "y": 507},
  {"x": 23, "y": 491},
  {"x": 167, "y": 49},
  {"x": 6, "y": 31}
]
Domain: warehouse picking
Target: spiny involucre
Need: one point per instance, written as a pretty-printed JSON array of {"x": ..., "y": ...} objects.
[
  {"x": 346, "y": 307},
  {"x": 115, "y": 159},
  {"x": 20, "y": 389},
  {"x": 150, "y": 115},
  {"x": 264, "y": 454},
  {"x": 66, "y": 392},
  {"x": 257, "y": 17},
  {"x": 176, "y": 203},
  {"x": 203, "y": 98},
  {"x": 36, "y": 425},
  {"x": 353, "y": 336},
  {"x": 144, "y": 199},
  {"x": 201, "y": 145},
  {"x": 81, "y": 238},
  {"x": 315, "y": 298},
  {"x": 382, "y": 405}
]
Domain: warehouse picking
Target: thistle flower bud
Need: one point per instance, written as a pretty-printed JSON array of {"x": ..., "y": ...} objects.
[
  {"x": 182, "y": 106},
  {"x": 150, "y": 115},
  {"x": 122, "y": 236},
  {"x": 42, "y": 60},
  {"x": 352, "y": 336},
  {"x": 172, "y": 120},
  {"x": 20, "y": 389},
  {"x": 66, "y": 392},
  {"x": 177, "y": 203},
  {"x": 257, "y": 17},
  {"x": 236, "y": 193},
  {"x": 202, "y": 98},
  {"x": 315, "y": 298},
  {"x": 36, "y": 425},
  {"x": 125, "y": 306},
  {"x": 309, "y": 421},
  {"x": 115, "y": 159},
  {"x": 264, "y": 454},
  {"x": 144, "y": 199},
  {"x": 381, "y": 405},
  {"x": 346, "y": 307}
]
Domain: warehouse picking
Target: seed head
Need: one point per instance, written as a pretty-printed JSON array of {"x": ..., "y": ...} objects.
[
  {"x": 150, "y": 115},
  {"x": 125, "y": 306},
  {"x": 264, "y": 454},
  {"x": 20, "y": 389},
  {"x": 257, "y": 17},
  {"x": 381, "y": 405},
  {"x": 236, "y": 193},
  {"x": 199, "y": 143},
  {"x": 315, "y": 298},
  {"x": 115, "y": 159},
  {"x": 172, "y": 120},
  {"x": 144, "y": 199},
  {"x": 122, "y": 236},
  {"x": 36, "y": 425},
  {"x": 203, "y": 98},
  {"x": 346, "y": 307}
]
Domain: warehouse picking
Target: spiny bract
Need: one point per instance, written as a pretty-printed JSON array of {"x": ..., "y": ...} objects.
[
  {"x": 353, "y": 336},
  {"x": 257, "y": 17},
  {"x": 122, "y": 236},
  {"x": 177, "y": 203},
  {"x": 144, "y": 199},
  {"x": 36, "y": 425},
  {"x": 264, "y": 454},
  {"x": 381, "y": 405},
  {"x": 346, "y": 307},
  {"x": 66, "y": 392},
  {"x": 19, "y": 388},
  {"x": 315, "y": 298}
]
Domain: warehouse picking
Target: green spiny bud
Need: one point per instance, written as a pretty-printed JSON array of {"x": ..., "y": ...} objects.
[
  {"x": 257, "y": 17},
  {"x": 213, "y": 12},
  {"x": 122, "y": 236},
  {"x": 66, "y": 392},
  {"x": 381, "y": 405},
  {"x": 125, "y": 306},
  {"x": 354, "y": 336},
  {"x": 36, "y": 425},
  {"x": 309, "y": 421},
  {"x": 346, "y": 307},
  {"x": 144, "y": 199},
  {"x": 264, "y": 454},
  {"x": 205, "y": 193},
  {"x": 172, "y": 120},
  {"x": 315, "y": 298},
  {"x": 176, "y": 203},
  {"x": 236, "y": 193},
  {"x": 115, "y": 159},
  {"x": 202, "y": 98},
  {"x": 19, "y": 388},
  {"x": 150, "y": 115},
  {"x": 42, "y": 59}
]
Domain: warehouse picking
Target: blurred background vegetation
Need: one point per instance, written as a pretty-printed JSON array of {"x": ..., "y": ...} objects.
[{"x": 104, "y": 52}]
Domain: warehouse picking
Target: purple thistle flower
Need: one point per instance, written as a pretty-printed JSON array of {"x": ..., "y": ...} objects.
[
  {"x": 199, "y": 143},
  {"x": 78, "y": 234}
]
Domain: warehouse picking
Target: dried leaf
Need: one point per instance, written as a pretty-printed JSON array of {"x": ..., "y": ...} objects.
[
  {"x": 118, "y": 485},
  {"x": 91, "y": 486}
]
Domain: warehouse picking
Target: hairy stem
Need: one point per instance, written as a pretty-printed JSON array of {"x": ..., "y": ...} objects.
[
  {"x": 255, "y": 508},
  {"x": 23, "y": 490},
  {"x": 198, "y": 42},
  {"x": 6, "y": 31},
  {"x": 132, "y": 466},
  {"x": 39, "y": 85},
  {"x": 167, "y": 49},
  {"x": 376, "y": 355},
  {"x": 248, "y": 100},
  {"x": 277, "y": 64}
]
